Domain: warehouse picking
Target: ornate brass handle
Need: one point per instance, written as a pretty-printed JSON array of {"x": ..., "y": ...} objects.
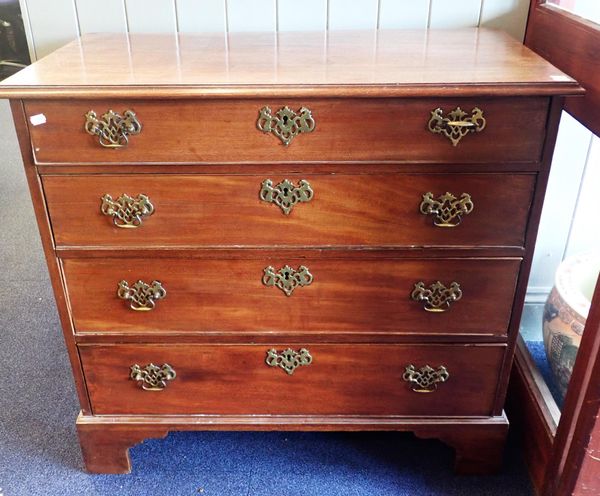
[
  {"x": 113, "y": 130},
  {"x": 446, "y": 209},
  {"x": 285, "y": 195},
  {"x": 436, "y": 297},
  {"x": 288, "y": 360},
  {"x": 425, "y": 379},
  {"x": 127, "y": 212},
  {"x": 285, "y": 124},
  {"x": 152, "y": 377},
  {"x": 141, "y": 296},
  {"x": 458, "y": 123},
  {"x": 286, "y": 278}
]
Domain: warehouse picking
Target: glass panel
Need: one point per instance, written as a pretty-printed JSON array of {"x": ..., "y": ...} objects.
[
  {"x": 588, "y": 9},
  {"x": 567, "y": 257}
]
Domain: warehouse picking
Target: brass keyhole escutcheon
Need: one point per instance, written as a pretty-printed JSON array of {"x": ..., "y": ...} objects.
[
  {"x": 287, "y": 279},
  {"x": 285, "y": 194},
  {"x": 285, "y": 123}
]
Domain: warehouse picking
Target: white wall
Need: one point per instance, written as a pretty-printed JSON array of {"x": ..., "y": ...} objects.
[
  {"x": 570, "y": 222},
  {"x": 52, "y": 23}
]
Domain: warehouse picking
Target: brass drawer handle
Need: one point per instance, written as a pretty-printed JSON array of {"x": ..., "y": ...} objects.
[
  {"x": 113, "y": 130},
  {"x": 426, "y": 379},
  {"x": 436, "y": 297},
  {"x": 152, "y": 377},
  {"x": 285, "y": 124},
  {"x": 288, "y": 360},
  {"x": 142, "y": 296},
  {"x": 287, "y": 279},
  {"x": 127, "y": 212},
  {"x": 458, "y": 123},
  {"x": 285, "y": 195},
  {"x": 447, "y": 209}
]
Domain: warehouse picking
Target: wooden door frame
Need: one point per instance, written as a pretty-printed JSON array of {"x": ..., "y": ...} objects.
[
  {"x": 557, "y": 446},
  {"x": 572, "y": 464},
  {"x": 572, "y": 44}
]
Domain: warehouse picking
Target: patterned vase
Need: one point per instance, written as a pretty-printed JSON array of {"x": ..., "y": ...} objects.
[{"x": 565, "y": 313}]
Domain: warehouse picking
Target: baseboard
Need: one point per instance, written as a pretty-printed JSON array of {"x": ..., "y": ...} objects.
[{"x": 537, "y": 294}]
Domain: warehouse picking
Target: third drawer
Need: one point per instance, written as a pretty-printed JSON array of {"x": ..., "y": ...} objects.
[
  {"x": 311, "y": 210},
  {"x": 273, "y": 295}
]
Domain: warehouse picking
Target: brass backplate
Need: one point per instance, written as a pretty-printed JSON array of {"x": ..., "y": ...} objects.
[
  {"x": 126, "y": 212},
  {"x": 285, "y": 123},
  {"x": 447, "y": 210},
  {"x": 285, "y": 194},
  {"x": 287, "y": 279},
  {"x": 425, "y": 379},
  {"x": 113, "y": 129},
  {"x": 152, "y": 377},
  {"x": 436, "y": 297},
  {"x": 288, "y": 360},
  {"x": 142, "y": 297},
  {"x": 457, "y": 124}
]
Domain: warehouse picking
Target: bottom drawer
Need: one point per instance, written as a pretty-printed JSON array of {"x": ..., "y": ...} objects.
[{"x": 315, "y": 380}]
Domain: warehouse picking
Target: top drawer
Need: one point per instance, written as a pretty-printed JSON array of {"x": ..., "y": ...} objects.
[{"x": 212, "y": 131}]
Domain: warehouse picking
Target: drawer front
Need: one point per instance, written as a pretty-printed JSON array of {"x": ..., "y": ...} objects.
[
  {"x": 204, "y": 131},
  {"x": 314, "y": 296},
  {"x": 308, "y": 379},
  {"x": 290, "y": 210}
]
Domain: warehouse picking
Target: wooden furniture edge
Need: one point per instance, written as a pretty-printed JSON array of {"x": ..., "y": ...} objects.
[
  {"x": 533, "y": 414},
  {"x": 535, "y": 213},
  {"x": 54, "y": 269},
  {"x": 281, "y": 91},
  {"x": 105, "y": 440},
  {"x": 569, "y": 42}
]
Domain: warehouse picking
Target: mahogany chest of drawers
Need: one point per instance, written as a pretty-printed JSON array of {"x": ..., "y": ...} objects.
[{"x": 309, "y": 231}]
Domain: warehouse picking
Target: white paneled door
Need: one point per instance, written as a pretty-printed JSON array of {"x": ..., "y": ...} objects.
[{"x": 50, "y": 24}]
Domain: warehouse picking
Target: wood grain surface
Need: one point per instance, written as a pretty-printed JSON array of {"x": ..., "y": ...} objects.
[
  {"x": 217, "y": 131},
  {"x": 360, "y": 63},
  {"x": 342, "y": 379},
  {"x": 106, "y": 439},
  {"x": 357, "y": 210},
  {"x": 346, "y": 295},
  {"x": 570, "y": 42}
]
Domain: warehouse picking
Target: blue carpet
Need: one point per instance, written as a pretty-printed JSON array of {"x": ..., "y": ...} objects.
[
  {"x": 538, "y": 353},
  {"x": 39, "y": 452}
]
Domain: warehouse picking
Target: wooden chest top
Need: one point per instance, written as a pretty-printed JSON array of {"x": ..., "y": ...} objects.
[{"x": 345, "y": 63}]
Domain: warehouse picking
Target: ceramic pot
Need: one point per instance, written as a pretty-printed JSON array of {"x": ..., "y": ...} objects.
[{"x": 565, "y": 314}]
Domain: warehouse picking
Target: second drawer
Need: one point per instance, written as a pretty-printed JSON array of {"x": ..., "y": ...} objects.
[
  {"x": 312, "y": 210},
  {"x": 287, "y": 296}
]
